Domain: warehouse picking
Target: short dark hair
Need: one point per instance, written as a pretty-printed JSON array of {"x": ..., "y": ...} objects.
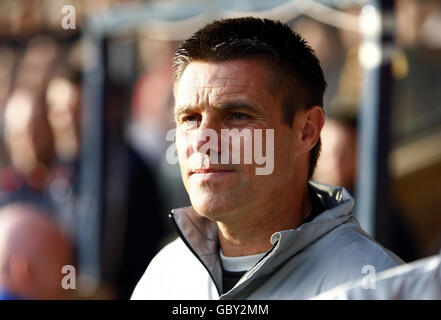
[{"x": 295, "y": 65}]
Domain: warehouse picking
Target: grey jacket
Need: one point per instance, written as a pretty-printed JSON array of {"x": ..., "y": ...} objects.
[
  {"x": 419, "y": 280},
  {"x": 319, "y": 255}
]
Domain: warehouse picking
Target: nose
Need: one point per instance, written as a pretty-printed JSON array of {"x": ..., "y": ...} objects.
[{"x": 206, "y": 136}]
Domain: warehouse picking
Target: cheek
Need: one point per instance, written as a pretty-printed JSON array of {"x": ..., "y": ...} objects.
[
  {"x": 285, "y": 146},
  {"x": 183, "y": 146}
]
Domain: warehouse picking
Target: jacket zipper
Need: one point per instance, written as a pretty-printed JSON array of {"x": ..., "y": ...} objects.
[{"x": 181, "y": 235}]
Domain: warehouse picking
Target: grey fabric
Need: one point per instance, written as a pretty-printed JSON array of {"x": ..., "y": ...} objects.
[
  {"x": 419, "y": 280},
  {"x": 330, "y": 250}
]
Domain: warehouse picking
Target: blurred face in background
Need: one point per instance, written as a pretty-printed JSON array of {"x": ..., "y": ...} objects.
[
  {"x": 33, "y": 251},
  {"x": 338, "y": 159},
  {"x": 18, "y": 115},
  {"x": 418, "y": 23},
  {"x": 63, "y": 99},
  {"x": 27, "y": 133}
]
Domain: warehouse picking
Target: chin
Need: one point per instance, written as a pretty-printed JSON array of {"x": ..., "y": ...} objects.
[{"x": 213, "y": 207}]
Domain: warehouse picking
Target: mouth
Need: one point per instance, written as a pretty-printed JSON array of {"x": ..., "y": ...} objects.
[
  {"x": 209, "y": 170},
  {"x": 210, "y": 173}
]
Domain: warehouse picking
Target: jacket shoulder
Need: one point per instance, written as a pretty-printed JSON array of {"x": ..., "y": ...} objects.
[
  {"x": 349, "y": 253},
  {"x": 360, "y": 244},
  {"x": 351, "y": 245},
  {"x": 416, "y": 280}
]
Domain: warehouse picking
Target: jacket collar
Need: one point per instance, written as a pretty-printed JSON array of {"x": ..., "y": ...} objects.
[{"x": 200, "y": 234}]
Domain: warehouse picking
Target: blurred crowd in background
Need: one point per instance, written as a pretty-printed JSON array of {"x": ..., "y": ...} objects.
[{"x": 41, "y": 92}]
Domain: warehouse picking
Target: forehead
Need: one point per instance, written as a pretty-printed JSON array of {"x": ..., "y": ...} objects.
[{"x": 208, "y": 82}]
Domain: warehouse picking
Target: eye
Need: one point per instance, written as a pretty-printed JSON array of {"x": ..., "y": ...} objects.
[
  {"x": 190, "y": 118},
  {"x": 190, "y": 121},
  {"x": 239, "y": 116}
]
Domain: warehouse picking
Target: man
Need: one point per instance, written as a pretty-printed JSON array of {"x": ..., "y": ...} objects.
[
  {"x": 29, "y": 142},
  {"x": 251, "y": 234},
  {"x": 33, "y": 251}
]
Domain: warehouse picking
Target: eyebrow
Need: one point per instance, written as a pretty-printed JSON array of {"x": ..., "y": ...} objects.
[{"x": 226, "y": 106}]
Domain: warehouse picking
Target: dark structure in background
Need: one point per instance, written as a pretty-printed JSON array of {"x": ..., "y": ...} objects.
[
  {"x": 373, "y": 207},
  {"x": 123, "y": 216}
]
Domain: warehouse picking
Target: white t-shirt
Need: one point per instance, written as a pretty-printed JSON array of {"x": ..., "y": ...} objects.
[{"x": 239, "y": 264}]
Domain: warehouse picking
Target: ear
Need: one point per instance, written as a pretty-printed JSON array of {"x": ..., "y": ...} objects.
[{"x": 310, "y": 123}]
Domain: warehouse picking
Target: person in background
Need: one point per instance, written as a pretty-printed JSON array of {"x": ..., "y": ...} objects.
[
  {"x": 338, "y": 165},
  {"x": 33, "y": 251},
  {"x": 63, "y": 97},
  {"x": 27, "y": 135},
  {"x": 63, "y": 111},
  {"x": 29, "y": 143}
]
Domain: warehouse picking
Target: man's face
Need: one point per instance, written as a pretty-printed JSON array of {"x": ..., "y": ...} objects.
[{"x": 214, "y": 97}]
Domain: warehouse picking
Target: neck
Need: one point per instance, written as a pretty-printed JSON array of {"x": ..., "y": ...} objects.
[{"x": 251, "y": 234}]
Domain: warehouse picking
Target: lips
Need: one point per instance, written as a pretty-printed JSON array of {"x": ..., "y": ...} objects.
[{"x": 209, "y": 170}]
